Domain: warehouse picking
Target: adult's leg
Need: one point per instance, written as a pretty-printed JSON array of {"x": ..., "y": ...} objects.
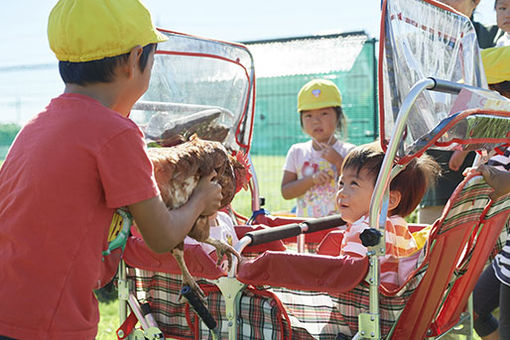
[
  {"x": 504, "y": 312},
  {"x": 485, "y": 299}
]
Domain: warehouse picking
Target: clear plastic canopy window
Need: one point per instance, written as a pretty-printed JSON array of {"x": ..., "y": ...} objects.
[
  {"x": 199, "y": 86},
  {"x": 423, "y": 39}
]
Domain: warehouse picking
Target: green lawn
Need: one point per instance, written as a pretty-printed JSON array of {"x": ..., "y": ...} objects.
[
  {"x": 268, "y": 170},
  {"x": 109, "y": 320}
]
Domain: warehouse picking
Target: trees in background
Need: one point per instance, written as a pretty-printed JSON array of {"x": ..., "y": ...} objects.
[{"x": 8, "y": 132}]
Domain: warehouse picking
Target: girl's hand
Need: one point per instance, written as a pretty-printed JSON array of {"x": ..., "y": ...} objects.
[
  {"x": 322, "y": 177},
  {"x": 333, "y": 157}
]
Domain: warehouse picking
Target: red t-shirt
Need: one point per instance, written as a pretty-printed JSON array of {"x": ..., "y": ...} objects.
[{"x": 64, "y": 176}]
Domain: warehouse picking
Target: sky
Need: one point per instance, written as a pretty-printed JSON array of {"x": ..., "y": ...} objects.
[{"x": 23, "y": 22}]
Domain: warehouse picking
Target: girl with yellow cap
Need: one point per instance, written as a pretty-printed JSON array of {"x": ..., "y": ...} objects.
[
  {"x": 73, "y": 165},
  {"x": 312, "y": 168}
]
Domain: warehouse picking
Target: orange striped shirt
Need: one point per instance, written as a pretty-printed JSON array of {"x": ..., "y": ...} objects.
[
  {"x": 398, "y": 264},
  {"x": 399, "y": 240}
]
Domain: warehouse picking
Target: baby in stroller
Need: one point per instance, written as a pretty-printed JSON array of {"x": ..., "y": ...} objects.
[{"x": 355, "y": 188}]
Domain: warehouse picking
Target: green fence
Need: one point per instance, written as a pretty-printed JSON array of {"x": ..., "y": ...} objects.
[{"x": 276, "y": 123}]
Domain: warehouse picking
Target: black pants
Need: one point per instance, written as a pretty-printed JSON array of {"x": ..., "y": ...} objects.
[{"x": 490, "y": 293}]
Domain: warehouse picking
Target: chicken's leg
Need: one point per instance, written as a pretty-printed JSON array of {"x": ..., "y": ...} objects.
[
  {"x": 187, "y": 279},
  {"x": 223, "y": 249}
]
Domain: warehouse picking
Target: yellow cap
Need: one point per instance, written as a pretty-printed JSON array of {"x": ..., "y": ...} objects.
[
  {"x": 86, "y": 30},
  {"x": 317, "y": 94},
  {"x": 496, "y": 63}
]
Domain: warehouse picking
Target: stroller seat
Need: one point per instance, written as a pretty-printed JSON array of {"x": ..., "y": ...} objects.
[{"x": 309, "y": 296}]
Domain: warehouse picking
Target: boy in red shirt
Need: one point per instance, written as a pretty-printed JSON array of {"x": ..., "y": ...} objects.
[{"x": 73, "y": 165}]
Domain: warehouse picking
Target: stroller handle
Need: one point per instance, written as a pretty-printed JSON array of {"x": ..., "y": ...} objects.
[
  {"x": 199, "y": 307},
  {"x": 294, "y": 229},
  {"x": 446, "y": 86}
]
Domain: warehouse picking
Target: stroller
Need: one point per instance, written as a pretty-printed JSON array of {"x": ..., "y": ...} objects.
[{"x": 419, "y": 39}]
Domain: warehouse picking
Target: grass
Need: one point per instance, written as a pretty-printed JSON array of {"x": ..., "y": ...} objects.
[
  {"x": 268, "y": 171},
  {"x": 109, "y": 320}
]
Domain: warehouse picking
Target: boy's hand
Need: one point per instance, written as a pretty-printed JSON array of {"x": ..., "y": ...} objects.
[
  {"x": 498, "y": 179},
  {"x": 210, "y": 194}
]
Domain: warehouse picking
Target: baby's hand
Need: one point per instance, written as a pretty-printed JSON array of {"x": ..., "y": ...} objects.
[{"x": 322, "y": 177}]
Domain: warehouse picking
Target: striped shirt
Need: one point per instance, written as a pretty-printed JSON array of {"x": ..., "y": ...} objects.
[
  {"x": 400, "y": 261},
  {"x": 501, "y": 162},
  {"x": 501, "y": 264},
  {"x": 399, "y": 240}
]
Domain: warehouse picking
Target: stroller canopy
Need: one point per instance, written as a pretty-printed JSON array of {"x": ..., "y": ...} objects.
[
  {"x": 199, "y": 86},
  {"x": 420, "y": 39}
]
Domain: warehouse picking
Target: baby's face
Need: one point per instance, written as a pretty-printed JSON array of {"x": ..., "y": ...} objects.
[
  {"x": 354, "y": 194},
  {"x": 503, "y": 15}
]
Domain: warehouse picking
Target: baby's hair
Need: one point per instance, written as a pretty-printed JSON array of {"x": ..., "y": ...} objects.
[
  {"x": 341, "y": 125},
  {"x": 412, "y": 182}
]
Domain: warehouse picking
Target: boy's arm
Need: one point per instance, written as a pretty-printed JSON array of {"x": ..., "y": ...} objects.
[
  {"x": 456, "y": 159},
  {"x": 163, "y": 229}
]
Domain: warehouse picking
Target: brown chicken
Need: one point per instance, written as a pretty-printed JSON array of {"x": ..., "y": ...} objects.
[{"x": 178, "y": 169}]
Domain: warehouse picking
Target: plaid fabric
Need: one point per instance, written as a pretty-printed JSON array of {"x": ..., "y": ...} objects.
[
  {"x": 315, "y": 315},
  {"x": 465, "y": 209},
  {"x": 468, "y": 206},
  {"x": 260, "y": 314},
  {"x": 312, "y": 315}
]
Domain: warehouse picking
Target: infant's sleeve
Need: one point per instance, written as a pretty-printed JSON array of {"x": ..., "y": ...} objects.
[{"x": 351, "y": 243}]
